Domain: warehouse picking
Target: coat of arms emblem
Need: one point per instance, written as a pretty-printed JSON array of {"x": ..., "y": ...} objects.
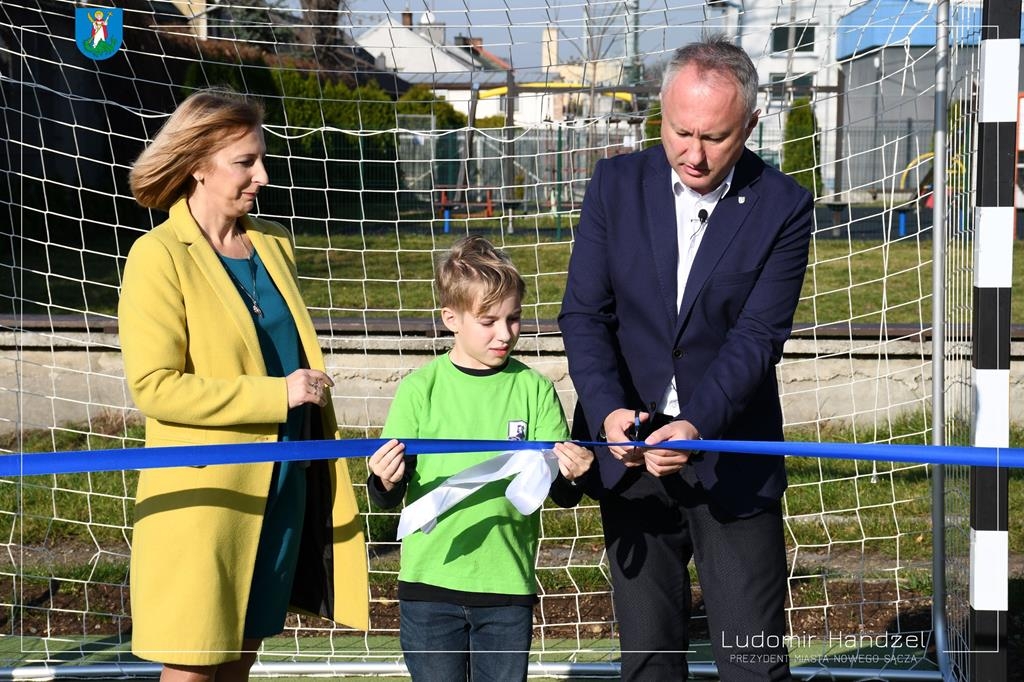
[{"x": 99, "y": 30}]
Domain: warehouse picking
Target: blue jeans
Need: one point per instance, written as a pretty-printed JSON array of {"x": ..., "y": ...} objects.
[{"x": 480, "y": 643}]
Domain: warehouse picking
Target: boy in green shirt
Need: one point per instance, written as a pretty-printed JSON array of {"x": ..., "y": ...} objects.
[{"x": 466, "y": 591}]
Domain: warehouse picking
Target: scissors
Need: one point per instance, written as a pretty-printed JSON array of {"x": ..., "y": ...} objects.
[{"x": 635, "y": 433}]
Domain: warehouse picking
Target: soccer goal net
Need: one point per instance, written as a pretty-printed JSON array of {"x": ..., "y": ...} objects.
[{"x": 394, "y": 128}]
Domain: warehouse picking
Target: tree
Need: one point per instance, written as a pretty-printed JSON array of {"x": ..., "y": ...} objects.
[
  {"x": 490, "y": 122},
  {"x": 322, "y": 16},
  {"x": 254, "y": 21},
  {"x": 801, "y": 146},
  {"x": 420, "y": 99},
  {"x": 652, "y": 125}
]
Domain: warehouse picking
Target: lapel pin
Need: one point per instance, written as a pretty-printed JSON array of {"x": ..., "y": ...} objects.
[{"x": 742, "y": 199}]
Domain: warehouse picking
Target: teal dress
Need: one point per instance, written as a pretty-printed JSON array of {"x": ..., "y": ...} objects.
[{"x": 278, "y": 550}]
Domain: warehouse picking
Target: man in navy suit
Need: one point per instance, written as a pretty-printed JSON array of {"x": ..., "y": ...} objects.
[{"x": 685, "y": 274}]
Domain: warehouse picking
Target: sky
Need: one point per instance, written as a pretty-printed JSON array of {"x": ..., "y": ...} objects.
[{"x": 514, "y": 28}]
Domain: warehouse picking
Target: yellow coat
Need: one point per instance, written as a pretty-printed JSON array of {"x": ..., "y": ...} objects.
[{"x": 195, "y": 369}]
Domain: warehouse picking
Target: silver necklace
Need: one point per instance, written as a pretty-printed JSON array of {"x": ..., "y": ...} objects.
[{"x": 253, "y": 296}]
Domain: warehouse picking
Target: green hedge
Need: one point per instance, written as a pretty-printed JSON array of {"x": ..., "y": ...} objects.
[{"x": 800, "y": 148}]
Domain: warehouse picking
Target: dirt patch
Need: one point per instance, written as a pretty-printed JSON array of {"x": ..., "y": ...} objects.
[{"x": 58, "y": 608}]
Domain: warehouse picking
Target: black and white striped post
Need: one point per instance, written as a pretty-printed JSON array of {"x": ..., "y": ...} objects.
[{"x": 993, "y": 260}]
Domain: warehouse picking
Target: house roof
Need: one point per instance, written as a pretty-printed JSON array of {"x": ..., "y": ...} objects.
[
  {"x": 487, "y": 57},
  {"x": 910, "y": 23},
  {"x": 411, "y": 52}
]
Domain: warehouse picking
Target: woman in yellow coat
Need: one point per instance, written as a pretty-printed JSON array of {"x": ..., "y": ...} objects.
[{"x": 219, "y": 348}]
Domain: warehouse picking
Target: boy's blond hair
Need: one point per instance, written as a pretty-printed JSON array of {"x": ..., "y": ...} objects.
[{"x": 474, "y": 273}]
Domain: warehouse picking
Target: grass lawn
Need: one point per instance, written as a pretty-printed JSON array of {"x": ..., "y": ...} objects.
[
  {"x": 880, "y": 511},
  {"x": 825, "y": 490},
  {"x": 384, "y": 272},
  {"x": 893, "y": 500},
  {"x": 339, "y": 650}
]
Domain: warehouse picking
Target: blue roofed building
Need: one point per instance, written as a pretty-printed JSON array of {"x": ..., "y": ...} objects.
[
  {"x": 870, "y": 74},
  {"x": 885, "y": 50}
]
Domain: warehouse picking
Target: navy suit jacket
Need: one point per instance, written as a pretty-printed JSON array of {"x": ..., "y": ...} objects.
[{"x": 624, "y": 337}]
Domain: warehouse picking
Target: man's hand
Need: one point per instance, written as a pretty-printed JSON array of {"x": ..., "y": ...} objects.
[
  {"x": 618, "y": 427},
  {"x": 661, "y": 461}
]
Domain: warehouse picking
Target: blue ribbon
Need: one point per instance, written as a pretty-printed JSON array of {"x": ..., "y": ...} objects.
[{"x": 85, "y": 461}]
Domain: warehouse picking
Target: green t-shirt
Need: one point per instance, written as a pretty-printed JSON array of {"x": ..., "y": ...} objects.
[{"x": 483, "y": 544}]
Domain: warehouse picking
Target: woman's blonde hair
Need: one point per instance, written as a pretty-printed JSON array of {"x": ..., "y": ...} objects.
[
  {"x": 476, "y": 276},
  {"x": 202, "y": 125}
]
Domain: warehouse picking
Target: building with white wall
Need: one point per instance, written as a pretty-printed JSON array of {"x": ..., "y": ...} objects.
[
  {"x": 792, "y": 45},
  {"x": 419, "y": 50}
]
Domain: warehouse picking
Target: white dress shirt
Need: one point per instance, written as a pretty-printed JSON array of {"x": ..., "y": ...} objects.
[{"x": 690, "y": 231}]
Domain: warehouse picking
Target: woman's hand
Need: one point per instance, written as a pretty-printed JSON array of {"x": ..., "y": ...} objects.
[
  {"x": 308, "y": 386},
  {"x": 388, "y": 463},
  {"x": 573, "y": 460}
]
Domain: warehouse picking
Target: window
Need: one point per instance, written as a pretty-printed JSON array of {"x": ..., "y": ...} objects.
[
  {"x": 781, "y": 86},
  {"x": 803, "y": 38}
]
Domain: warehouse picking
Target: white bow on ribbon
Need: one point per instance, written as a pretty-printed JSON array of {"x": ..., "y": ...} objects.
[{"x": 534, "y": 471}]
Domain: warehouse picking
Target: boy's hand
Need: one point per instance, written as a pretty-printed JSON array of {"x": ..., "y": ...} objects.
[
  {"x": 573, "y": 460},
  {"x": 388, "y": 463}
]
